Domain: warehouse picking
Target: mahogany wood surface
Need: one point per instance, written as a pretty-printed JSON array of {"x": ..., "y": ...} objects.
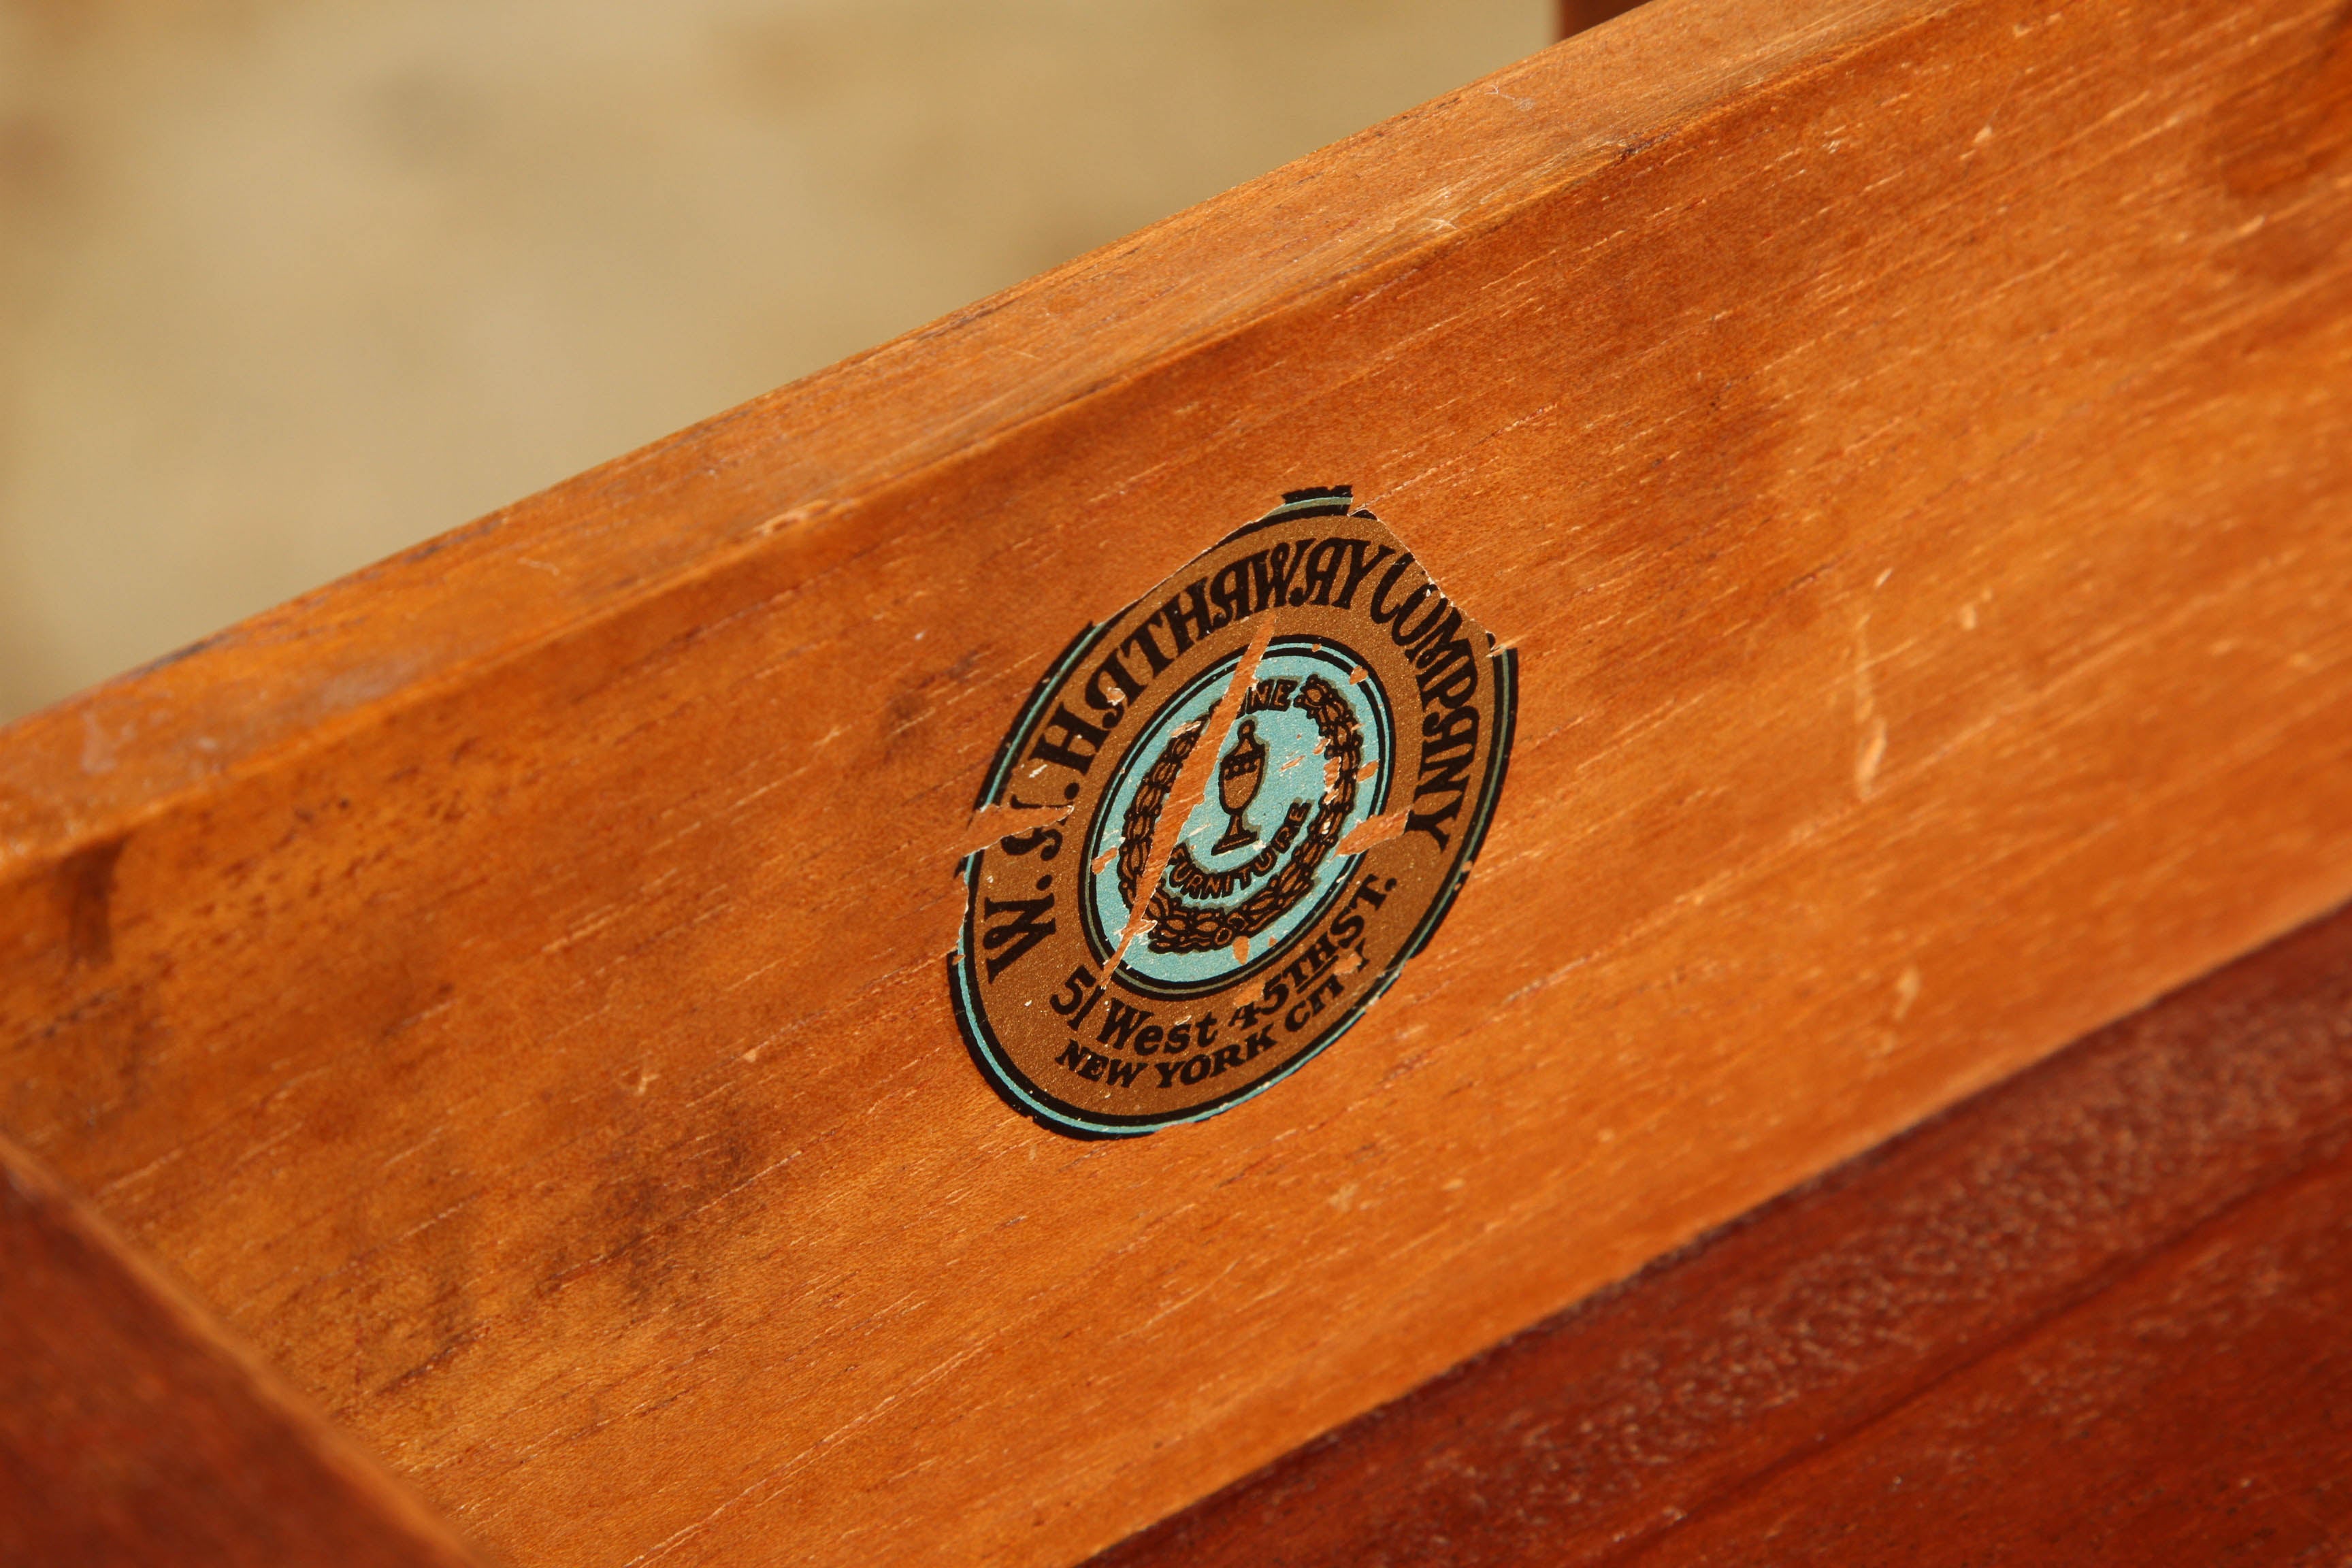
[
  {"x": 134, "y": 1432},
  {"x": 2101, "y": 1313},
  {"x": 1908, "y": 447}
]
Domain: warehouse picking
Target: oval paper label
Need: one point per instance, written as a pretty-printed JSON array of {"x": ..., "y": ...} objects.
[{"x": 1234, "y": 811}]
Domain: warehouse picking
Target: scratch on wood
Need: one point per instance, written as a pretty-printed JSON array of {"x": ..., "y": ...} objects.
[{"x": 1873, "y": 747}]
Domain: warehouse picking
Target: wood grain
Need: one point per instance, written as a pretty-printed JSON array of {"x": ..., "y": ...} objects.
[
  {"x": 2098, "y": 1314},
  {"x": 134, "y": 1432},
  {"x": 1908, "y": 447}
]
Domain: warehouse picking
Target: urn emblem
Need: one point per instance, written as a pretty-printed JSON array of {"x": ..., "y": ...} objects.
[{"x": 1238, "y": 777}]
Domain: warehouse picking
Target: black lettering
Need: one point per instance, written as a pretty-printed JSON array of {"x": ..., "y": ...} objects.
[
  {"x": 1323, "y": 568},
  {"x": 1229, "y": 591},
  {"x": 1147, "y": 1040},
  {"x": 1406, "y": 636},
  {"x": 1450, "y": 685},
  {"x": 1095, "y": 1063},
  {"x": 1447, "y": 731},
  {"x": 1050, "y": 839},
  {"x": 1432, "y": 822},
  {"x": 1119, "y": 1022},
  {"x": 1168, "y": 1072},
  {"x": 1268, "y": 694},
  {"x": 1438, "y": 647},
  {"x": 1269, "y": 1001},
  {"x": 1261, "y": 1041},
  {"x": 1447, "y": 662},
  {"x": 1387, "y": 586},
  {"x": 1072, "y": 1056},
  {"x": 1024, "y": 930},
  {"x": 1180, "y": 1039},
  {"x": 1310, "y": 1004},
  {"x": 1351, "y": 925},
  {"x": 1113, "y": 706},
  {"x": 1188, "y": 1072},
  {"x": 1317, "y": 956},
  {"x": 1271, "y": 572},
  {"x": 1440, "y": 774},
  {"x": 1226, "y": 1057},
  {"x": 1431, "y": 631},
  {"x": 1141, "y": 639},
  {"x": 1060, "y": 740},
  {"x": 1205, "y": 1032},
  {"x": 1119, "y": 1073},
  {"x": 1188, "y": 616},
  {"x": 1073, "y": 992},
  {"x": 1360, "y": 566}
]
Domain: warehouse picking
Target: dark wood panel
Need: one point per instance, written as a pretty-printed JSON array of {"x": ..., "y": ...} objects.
[
  {"x": 1575, "y": 15},
  {"x": 2101, "y": 1313},
  {"x": 133, "y": 1432}
]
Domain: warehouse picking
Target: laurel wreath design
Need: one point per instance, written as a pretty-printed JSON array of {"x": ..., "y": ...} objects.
[{"x": 1176, "y": 925}]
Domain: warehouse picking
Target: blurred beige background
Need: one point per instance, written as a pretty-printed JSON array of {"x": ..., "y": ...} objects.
[{"x": 286, "y": 285}]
